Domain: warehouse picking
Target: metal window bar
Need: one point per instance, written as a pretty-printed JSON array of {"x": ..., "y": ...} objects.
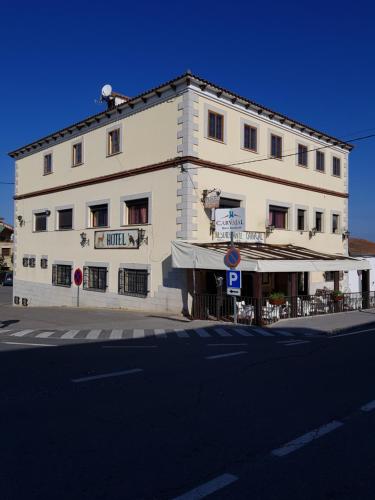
[{"x": 133, "y": 282}]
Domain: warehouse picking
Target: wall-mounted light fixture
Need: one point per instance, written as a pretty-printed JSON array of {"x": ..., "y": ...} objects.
[
  {"x": 345, "y": 234},
  {"x": 84, "y": 240},
  {"x": 142, "y": 236},
  {"x": 20, "y": 219},
  {"x": 312, "y": 232},
  {"x": 269, "y": 229}
]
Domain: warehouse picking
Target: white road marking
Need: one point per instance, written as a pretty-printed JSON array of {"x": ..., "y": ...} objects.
[
  {"x": 265, "y": 333},
  {"x": 306, "y": 438},
  {"x": 284, "y": 333},
  {"x": 3, "y": 331},
  {"x": 243, "y": 332},
  {"x": 369, "y": 406},
  {"x": 225, "y": 345},
  {"x": 128, "y": 346},
  {"x": 115, "y": 334},
  {"x": 29, "y": 344},
  {"x": 44, "y": 335},
  {"x": 93, "y": 334},
  {"x": 22, "y": 333},
  {"x": 106, "y": 375},
  {"x": 182, "y": 334},
  {"x": 208, "y": 488},
  {"x": 299, "y": 342},
  {"x": 70, "y": 334},
  {"x": 337, "y": 336},
  {"x": 202, "y": 332},
  {"x": 222, "y": 332},
  {"x": 160, "y": 333},
  {"x": 137, "y": 334},
  {"x": 227, "y": 355}
]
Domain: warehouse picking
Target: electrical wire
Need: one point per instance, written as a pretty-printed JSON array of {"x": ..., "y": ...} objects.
[{"x": 308, "y": 151}]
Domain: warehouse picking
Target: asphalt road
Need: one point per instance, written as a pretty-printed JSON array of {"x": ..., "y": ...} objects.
[{"x": 249, "y": 418}]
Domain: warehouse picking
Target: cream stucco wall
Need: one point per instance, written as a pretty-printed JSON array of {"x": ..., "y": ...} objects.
[
  {"x": 231, "y": 152},
  {"x": 147, "y": 137}
]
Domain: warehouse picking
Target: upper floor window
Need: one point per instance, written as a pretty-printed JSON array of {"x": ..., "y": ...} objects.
[
  {"x": 229, "y": 203},
  {"x": 276, "y": 146},
  {"x": 65, "y": 219},
  {"x": 47, "y": 164},
  {"x": 113, "y": 145},
  {"x": 215, "y": 126},
  {"x": 320, "y": 161},
  {"x": 137, "y": 211},
  {"x": 319, "y": 222},
  {"x": 278, "y": 217},
  {"x": 335, "y": 223},
  {"x": 301, "y": 219},
  {"x": 40, "y": 223},
  {"x": 302, "y": 155},
  {"x": 250, "y": 138},
  {"x": 77, "y": 154},
  {"x": 99, "y": 215},
  {"x": 336, "y": 166}
]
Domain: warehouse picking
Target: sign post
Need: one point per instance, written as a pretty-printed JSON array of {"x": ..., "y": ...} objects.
[
  {"x": 78, "y": 281},
  {"x": 231, "y": 220}
]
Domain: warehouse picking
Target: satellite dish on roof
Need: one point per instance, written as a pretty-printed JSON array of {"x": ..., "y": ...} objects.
[{"x": 106, "y": 91}]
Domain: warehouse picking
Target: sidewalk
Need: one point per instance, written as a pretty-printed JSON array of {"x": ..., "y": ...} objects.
[
  {"x": 64, "y": 318},
  {"x": 330, "y": 324}
]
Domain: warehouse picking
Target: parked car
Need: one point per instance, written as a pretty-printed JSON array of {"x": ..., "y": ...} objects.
[{"x": 8, "y": 279}]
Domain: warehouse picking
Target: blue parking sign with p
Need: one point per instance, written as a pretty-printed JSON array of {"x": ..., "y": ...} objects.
[{"x": 233, "y": 279}]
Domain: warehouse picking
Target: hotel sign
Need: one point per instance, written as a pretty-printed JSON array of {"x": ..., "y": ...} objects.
[{"x": 122, "y": 238}]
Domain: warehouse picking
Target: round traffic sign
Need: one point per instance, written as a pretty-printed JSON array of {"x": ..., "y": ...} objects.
[
  {"x": 78, "y": 276},
  {"x": 232, "y": 257}
]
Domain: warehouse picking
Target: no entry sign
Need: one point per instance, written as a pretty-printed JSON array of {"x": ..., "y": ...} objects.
[{"x": 78, "y": 277}]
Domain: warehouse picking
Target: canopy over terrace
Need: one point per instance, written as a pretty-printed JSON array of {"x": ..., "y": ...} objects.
[{"x": 261, "y": 258}]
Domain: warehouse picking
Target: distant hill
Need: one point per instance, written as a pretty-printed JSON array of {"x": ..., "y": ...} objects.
[{"x": 358, "y": 246}]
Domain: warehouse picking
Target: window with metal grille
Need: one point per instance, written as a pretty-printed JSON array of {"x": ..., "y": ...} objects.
[
  {"x": 336, "y": 166},
  {"x": 65, "y": 219},
  {"x": 95, "y": 278},
  {"x": 215, "y": 126},
  {"x": 137, "y": 211},
  {"x": 61, "y": 275},
  {"x": 32, "y": 262},
  {"x": 99, "y": 215},
  {"x": 5, "y": 252},
  {"x": 302, "y": 155},
  {"x": 77, "y": 157},
  {"x": 320, "y": 161},
  {"x": 25, "y": 262},
  {"x": 276, "y": 146},
  {"x": 250, "y": 138},
  {"x": 133, "y": 282},
  {"x": 44, "y": 263},
  {"x": 41, "y": 222},
  {"x": 47, "y": 164},
  {"x": 113, "y": 142}
]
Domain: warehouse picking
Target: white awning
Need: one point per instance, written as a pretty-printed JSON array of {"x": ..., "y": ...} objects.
[{"x": 261, "y": 258}]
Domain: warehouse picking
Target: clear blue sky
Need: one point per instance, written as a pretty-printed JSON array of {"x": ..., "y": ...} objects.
[{"x": 314, "y": 61}]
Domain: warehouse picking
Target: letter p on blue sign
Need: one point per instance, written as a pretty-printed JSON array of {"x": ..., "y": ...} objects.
[{"x": 233, "y": 279}]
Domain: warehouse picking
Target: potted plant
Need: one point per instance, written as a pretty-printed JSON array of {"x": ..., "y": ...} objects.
[
  {"x": 277, "y": 298},
  {"x": 337, "y": 295}
]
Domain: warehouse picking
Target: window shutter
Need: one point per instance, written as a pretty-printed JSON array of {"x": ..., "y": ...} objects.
[
  {"x": 120, "y": 281},
  {"x": 54, "y": 274},
  {"x": 85, "y": 277}
]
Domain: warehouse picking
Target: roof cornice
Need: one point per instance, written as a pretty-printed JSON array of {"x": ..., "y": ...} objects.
[{"x": 186, "y": 80}]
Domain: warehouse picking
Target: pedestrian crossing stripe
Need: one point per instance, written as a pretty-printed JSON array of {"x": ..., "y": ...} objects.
[{"x": 139, "y": 333}]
